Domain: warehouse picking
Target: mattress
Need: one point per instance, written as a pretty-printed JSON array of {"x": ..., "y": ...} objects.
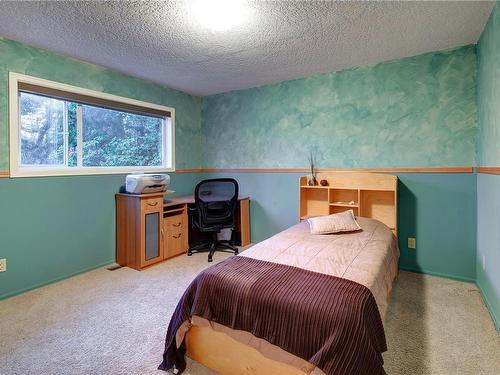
[{"x": 368, "y": 257}]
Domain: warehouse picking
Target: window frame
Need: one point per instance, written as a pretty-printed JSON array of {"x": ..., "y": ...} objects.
[{"x": 16, "y": 170}]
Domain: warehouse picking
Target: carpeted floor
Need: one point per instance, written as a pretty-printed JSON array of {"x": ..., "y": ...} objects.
[{"x": 114, "y": 322}]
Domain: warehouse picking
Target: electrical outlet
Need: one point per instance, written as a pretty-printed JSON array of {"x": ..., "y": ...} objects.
[
  {"x": 484, "y": 262},
  {"x": 3, "y": 265},
  {"x": 412, "y": 243}
]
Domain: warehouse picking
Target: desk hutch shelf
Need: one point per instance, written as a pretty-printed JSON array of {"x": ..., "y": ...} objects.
[{"x": 369, "y": 195}]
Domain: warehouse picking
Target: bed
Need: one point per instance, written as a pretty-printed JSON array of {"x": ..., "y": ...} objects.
[{"x": 367, "y": 260}]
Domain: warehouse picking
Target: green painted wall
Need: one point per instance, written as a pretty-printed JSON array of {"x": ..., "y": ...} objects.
[
  {"x": 413, "y": 112},
  {"x": 488, "y": 186},
  {"x": 54, "y": 227},
  {"x": 440, "y": 211},
  {"x": 431, "y": 208},
  {"x": 21, "y": 58},
  {"x": 488, "y": 242},
  {"x": 488, "y": 92},
  {"x": 417, "y": 111}
]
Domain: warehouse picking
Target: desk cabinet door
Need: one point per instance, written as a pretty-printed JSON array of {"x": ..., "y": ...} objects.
[{"x": 153, "y": 243}]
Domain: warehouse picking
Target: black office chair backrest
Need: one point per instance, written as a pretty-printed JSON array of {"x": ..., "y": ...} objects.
[{"x": 216, "y": 200}]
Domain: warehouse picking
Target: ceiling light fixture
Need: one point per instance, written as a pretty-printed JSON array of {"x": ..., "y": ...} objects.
[{"x": 220, "y": 15}]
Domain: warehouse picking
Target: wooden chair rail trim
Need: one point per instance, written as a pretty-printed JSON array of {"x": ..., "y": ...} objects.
[
  {"x": 326, "y": 170},
  {"x": 188, "y": 170},
  {"x": 493, "y": 170},
  {"x": 488, "y": 170}
]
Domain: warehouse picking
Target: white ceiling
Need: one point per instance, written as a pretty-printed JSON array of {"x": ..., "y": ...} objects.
[{"x": 282, "y": 40}]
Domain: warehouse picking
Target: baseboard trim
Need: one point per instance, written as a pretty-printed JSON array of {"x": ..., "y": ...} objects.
[
  {"x": 496, "y": 320},
  {"x": 327, "y": 170},
  {"x": 4, "y": 174},
  {"x": 439, "y": 274},
  {"x": 488, "y": 170},
  {"x": 55, "y": 280}
]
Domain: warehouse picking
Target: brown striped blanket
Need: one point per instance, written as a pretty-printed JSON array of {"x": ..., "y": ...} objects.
[{"x": 331, "y": 322}]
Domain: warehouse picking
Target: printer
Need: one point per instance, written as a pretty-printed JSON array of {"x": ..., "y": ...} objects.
[{"x": 143, "y": 183}]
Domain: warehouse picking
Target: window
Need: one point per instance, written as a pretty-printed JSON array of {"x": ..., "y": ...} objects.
[{"x": 57, "y": 129}]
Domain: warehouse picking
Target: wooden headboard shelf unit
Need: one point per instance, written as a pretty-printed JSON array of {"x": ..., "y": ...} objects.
[{"x": 372, "y": 195}]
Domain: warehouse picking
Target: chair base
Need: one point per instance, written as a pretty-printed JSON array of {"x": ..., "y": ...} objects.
[{"x": 211, "y": 247}]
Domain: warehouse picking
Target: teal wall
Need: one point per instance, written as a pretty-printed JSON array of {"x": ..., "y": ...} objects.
[
  {"x": 21, "y": 58},
  {"x": 431, "y": 208},
  {"x": 488, "y": 186},
  {"x": 412, "y": 112},
  {"x": 488, "y": 93},
  {"x": 488, "y": 242},
  {"x": 54, "y": 227},
  {"x": 440, "y": 211},
  {"x": 418, "y": 111}
]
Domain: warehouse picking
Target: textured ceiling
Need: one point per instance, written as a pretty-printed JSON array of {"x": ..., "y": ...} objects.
[{"x": 161, "y": 42}]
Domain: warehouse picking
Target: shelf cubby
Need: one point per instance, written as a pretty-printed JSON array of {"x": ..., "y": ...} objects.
[
  {"x": 338, "y": 209},
  {"x": 343, "y": 197},
  {"x": 315, "y": 202},
  {"x": 379, "y": 204}
]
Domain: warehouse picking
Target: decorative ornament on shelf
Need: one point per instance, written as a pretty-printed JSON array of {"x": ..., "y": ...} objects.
[
  {"x": 323, "y": 183},
  {"x": 311, "y": 181}
]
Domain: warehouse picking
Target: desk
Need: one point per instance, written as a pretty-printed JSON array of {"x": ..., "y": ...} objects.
[
  {"x": 151, "y": 229},
  {"x": 242, "y": 225}
]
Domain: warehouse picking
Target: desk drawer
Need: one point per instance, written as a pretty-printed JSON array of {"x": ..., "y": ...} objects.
[
  {"x": 152, "y": 204},
  {"x": 176, "y": 235},
  {"x": 176, "y": 243},
  {"x": 175, "y": 223}
]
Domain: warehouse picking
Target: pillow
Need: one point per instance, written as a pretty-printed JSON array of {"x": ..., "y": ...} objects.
[{"x": 336, "y": 223}]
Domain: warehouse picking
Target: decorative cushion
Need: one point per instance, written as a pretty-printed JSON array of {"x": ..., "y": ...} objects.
[{"x": 341, "y": 222}]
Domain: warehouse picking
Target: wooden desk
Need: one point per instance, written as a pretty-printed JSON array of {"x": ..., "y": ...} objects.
[
  {"x": 151, "y": 229},
  {"x": 189, "y": 199}
]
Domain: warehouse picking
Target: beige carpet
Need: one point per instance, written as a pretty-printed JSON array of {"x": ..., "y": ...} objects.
[{"x": 114, "y": 322}]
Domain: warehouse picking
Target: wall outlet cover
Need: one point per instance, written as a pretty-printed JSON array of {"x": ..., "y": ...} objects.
[
  {"x": 412, "y": 243},
  {"x": 3, "y": 265}
]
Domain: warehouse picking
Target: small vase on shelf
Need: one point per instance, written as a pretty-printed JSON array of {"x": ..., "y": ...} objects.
[{"x": 311, "y": 181}]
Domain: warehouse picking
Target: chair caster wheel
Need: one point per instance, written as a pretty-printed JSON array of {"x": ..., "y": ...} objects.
[
  {"x": 189, "y": 253},
  {"x": 210, "y": 259},
  {"x": 236, "y": 252}
]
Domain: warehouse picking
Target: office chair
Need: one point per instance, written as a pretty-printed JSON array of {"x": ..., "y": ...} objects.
[{"x": 215, "y": 206}]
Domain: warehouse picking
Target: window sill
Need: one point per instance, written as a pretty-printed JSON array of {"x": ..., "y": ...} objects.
[{"x": 48, "y": 172}]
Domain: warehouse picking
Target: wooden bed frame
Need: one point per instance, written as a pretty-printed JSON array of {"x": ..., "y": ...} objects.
[
  {"x": 374, "y": 196},
  {"x": 225, "y": 355}
]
